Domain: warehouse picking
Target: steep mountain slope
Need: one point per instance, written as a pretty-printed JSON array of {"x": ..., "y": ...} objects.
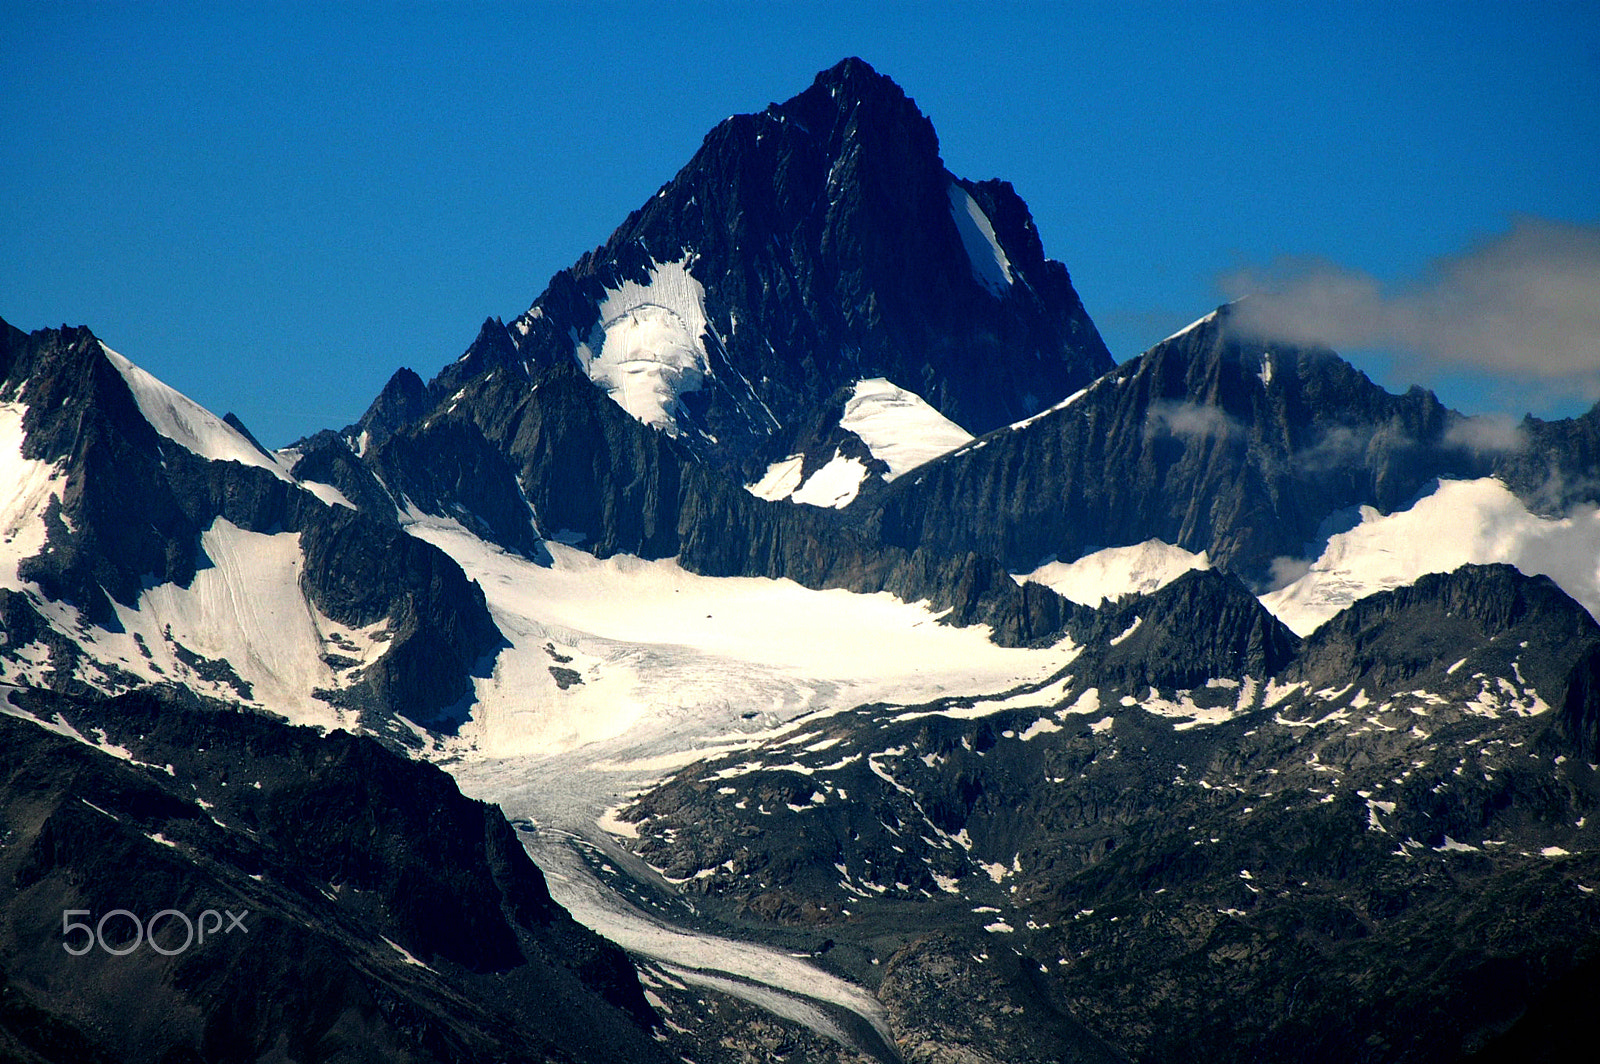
[
  {"x": 380, "y": 915},
  {"x": 817, "y": 244},
  {"x": 1216, "y": 441}
]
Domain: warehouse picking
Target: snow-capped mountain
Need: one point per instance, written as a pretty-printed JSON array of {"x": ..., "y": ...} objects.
[
  {"x": 1258, "y": 455},
  {"x": 891, "y": 675},
  {"x": 148, "y": 541},
  {"x": 803, "y": 250}
]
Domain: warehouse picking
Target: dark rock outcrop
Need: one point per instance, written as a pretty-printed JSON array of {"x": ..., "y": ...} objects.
[
  {"x": 1390, "y": 638},
  {"x": 339, "y": 855},
  {"x": 1203, "y": 624},
  {"x": 404, "y": 399}
]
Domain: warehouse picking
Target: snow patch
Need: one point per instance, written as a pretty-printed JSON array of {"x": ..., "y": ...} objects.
[
  {"x": 328, "y": 494},
  {"x": 834, "y": 485},
  {"x": 1086, "y": 703},
  {"x": 648, "y": 347},
  {"x": 898, "y": 426},
  {"x": 1461, "y": 522},
  {"x": 1116, "y": 571},
  {"x": 1031, "y": 698},
  {"x": 990, "y": 267},
  {"x": 780, "y": 480},
  {"x": 1038, "y": 728},
  {"x": 404, "y": 953},
  {"x": 1127, "y": 633}
]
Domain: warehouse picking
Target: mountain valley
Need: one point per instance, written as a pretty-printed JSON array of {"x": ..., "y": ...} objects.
[{"x": 794, "y": 637}]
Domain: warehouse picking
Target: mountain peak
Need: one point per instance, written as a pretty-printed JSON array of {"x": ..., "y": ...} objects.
[
  {"x": 848, "y": 68},
  {"x": 404, "y": 399},
  {"x": 851, "y": 101},
  {"x": 803, "y": 249},
  {"x": 854, "y": 79}
]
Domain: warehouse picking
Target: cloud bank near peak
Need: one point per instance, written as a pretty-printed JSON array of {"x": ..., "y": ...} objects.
[{"x": 1524, "y": 303}]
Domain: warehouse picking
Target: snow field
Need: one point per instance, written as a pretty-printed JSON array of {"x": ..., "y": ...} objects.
[
  {"x": 1116, "y": 571},
  {"x": 244, "y": 607},
  {"x": 247, "y": 608},
  {"x": 661, "y": 647},
  {"x": 1461, "y": 522},
  {"x": 648, "y": 347}
]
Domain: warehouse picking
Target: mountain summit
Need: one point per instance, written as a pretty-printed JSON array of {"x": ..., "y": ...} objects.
[{"x": 803, "y": 249}]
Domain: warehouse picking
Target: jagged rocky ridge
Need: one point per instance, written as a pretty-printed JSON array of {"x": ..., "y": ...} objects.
[
  {"x": 1216, "y": 440},
  {"x": 1198, "y": 851}
]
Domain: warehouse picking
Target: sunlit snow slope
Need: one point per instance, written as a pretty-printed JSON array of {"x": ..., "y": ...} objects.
[
  {"x": 1461, "y": 522},
  {"x": 647, "y": 348},
  {"x": 898, "y": 426},
  {"x": 187, "y": 423},
  {"x": 26, "y": 488},
  {"x": 1116, "y": 571}
]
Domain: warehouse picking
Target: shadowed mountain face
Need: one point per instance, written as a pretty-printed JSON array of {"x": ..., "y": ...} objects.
[
  {"x": 381, "y": 915},
  {"x": 1213, "y": 441},
  {"x": 824, "y": 242}
]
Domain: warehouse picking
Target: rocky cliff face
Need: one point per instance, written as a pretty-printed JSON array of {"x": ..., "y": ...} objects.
[{"x": 1213, "y": 441}]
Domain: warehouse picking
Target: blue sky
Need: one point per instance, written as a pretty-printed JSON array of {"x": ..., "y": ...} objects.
[{"x": 273, "y": 206}]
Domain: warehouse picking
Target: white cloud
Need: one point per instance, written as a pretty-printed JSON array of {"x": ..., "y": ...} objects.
[
  {"x": 1489, "y": 433},
  {"x": 1190, "y": 421},
  {"x": 1524, "y": 303}
]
